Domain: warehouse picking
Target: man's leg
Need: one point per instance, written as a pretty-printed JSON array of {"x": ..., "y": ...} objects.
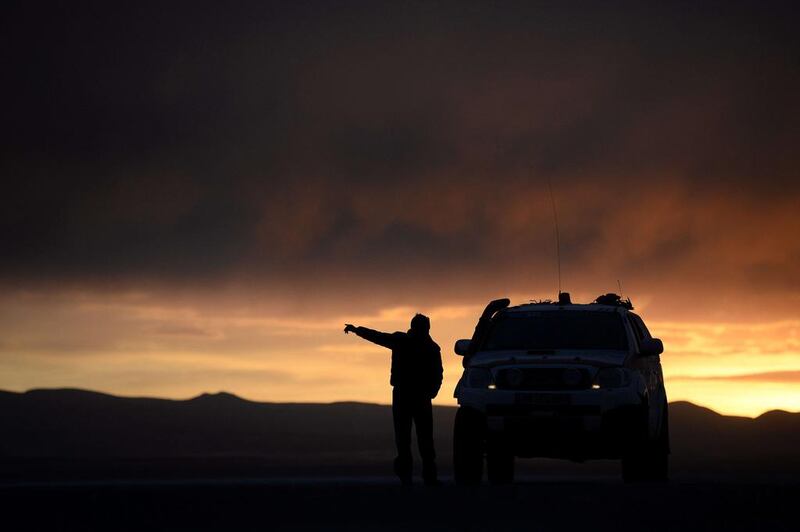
[
  {"x": 402, "y": 412},
  {"x": 423, "y": 419}
]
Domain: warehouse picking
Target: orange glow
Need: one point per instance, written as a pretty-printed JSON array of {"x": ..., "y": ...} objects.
[{"x": 132, "y": 346}]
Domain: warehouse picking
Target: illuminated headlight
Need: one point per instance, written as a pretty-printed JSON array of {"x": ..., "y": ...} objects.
[
  {"x": 611, "y": 378},
  {"x": 479, "y": 378}
]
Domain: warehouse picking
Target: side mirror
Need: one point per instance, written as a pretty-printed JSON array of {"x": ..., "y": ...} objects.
[
  {"x": 651, "y": 347},
  {"x": 462, "y": 347}
]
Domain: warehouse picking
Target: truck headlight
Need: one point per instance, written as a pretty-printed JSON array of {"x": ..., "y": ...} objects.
[
  {"x": 611, "y": 378},
  {"x": 479, "y": 378}
]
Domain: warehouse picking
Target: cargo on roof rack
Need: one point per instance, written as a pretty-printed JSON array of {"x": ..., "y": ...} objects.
[{"x": 614, "y": 300}]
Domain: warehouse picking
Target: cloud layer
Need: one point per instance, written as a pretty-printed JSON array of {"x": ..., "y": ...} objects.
[{"x": 310, "y": 162}]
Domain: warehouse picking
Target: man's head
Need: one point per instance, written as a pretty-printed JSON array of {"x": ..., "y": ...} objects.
[{"x": 421, "y": 324}]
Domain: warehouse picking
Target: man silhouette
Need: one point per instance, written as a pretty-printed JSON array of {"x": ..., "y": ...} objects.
[{"x": 416, "y": 378}]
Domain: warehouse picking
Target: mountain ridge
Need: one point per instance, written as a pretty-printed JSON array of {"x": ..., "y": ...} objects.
[
  {"x": 219, "y": 434},
  {"x": 225, "y": 395}
]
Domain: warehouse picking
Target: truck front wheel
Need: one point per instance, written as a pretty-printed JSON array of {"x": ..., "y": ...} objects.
[
  {"x": 650, "y": 461},
  {"x": 469, "y": 437},
  {"x": 499, "y": 462}
]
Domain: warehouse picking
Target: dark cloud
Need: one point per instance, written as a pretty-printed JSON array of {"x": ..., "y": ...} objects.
[{"x": 289, "y": 144}]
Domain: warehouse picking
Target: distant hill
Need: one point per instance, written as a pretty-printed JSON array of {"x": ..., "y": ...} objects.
[{"x": 77, "y": 432}]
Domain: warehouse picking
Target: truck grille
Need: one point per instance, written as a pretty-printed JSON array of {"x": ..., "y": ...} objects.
[{"x": 545, "y": 379}]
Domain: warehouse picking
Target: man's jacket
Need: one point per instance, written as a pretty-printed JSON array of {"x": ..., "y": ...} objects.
[{"x": 416, "y": 359}]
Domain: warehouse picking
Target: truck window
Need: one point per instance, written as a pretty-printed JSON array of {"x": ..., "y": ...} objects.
[
  {"x": 561, "y": 329},
  {"x": 639, "y": 327}
]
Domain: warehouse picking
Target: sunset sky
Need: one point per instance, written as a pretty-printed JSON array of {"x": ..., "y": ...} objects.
[{"x": 197, "y": 195}]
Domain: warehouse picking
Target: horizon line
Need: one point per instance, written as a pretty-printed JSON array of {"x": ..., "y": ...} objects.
[{"x": 239, "y": 397}]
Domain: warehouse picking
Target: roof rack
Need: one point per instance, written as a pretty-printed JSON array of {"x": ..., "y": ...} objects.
[
  {"x": 563, "y": 299},
  {"x": 613, "y": 300}
]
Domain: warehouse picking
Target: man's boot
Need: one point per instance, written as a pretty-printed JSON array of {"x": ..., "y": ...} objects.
[
  {"x": 429, "y": 474},
  {"x": 402, "y": 468}
]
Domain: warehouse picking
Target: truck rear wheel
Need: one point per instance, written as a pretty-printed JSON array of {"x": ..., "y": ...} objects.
[{"x": 469, "y": 435}]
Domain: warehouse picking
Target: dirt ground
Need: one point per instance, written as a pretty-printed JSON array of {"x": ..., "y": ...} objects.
[{"x": 372, "y": 503}]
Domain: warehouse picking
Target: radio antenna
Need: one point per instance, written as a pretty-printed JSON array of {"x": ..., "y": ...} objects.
[
  {"x": 619, "y": 285},
  {"x": 558, "y": 240}
]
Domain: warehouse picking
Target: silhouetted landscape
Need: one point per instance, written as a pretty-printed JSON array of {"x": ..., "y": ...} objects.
[
  {"x": 76, "y": 434},
  {"x": 79, "y": 460}
]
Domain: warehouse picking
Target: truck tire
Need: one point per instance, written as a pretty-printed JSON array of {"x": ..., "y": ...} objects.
[
  {"x": 658, "y": 465},
  {"x": 650, "y": 462},
  {"x": 499, "y": 463},
  {"x": 469, "y": 434}
]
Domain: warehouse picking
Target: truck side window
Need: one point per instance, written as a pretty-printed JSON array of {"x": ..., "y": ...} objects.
[
  {"x": 639, "y": 330},
  {"x": 642, "y": 327}
]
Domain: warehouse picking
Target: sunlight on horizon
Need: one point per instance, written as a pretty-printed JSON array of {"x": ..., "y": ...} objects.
[{"x": 134, "y": 349}]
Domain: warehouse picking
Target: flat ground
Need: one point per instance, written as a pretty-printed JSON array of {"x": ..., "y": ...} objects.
[{"x": 372, "y": 503}]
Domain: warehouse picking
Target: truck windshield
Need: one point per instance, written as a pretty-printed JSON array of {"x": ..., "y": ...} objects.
[{"x": 559, "y": 329}]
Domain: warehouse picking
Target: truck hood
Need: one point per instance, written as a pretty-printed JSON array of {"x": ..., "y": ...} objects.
[{"x": 599, "y": 358}]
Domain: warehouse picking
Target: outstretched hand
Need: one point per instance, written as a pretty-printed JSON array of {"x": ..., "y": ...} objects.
[{"x": 348, "y": 328}]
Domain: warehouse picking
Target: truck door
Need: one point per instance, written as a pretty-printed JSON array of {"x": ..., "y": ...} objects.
[{"x": 651, "y": 370}]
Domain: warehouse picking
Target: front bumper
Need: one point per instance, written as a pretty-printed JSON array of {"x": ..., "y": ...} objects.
[{"x": 576, "y": 425}]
